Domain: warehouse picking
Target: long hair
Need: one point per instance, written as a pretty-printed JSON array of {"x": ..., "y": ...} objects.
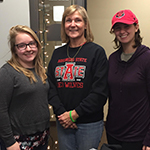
[
  {"x": 70, "y": 10},
  {"x": 138, "y": 39},
  {"x": 14, "y": 61}
]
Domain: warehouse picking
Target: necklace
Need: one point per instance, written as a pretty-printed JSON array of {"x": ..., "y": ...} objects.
[{"x": 72, "y": 58}]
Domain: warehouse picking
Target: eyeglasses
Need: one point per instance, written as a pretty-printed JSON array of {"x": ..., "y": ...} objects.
[{"x": 23, "y": 46}]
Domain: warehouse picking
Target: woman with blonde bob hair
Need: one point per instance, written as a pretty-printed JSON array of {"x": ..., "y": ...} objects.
[
  {"x": 70, "y": 10},
  {"x": 77, "y": 74},
  {"x": 24, "y": 112}
]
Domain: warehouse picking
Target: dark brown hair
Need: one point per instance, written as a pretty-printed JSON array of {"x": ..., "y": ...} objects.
[{"x": 138, "y": 39}]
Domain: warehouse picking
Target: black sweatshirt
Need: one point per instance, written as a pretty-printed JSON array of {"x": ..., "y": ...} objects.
[{"x": 80, "y": 84}]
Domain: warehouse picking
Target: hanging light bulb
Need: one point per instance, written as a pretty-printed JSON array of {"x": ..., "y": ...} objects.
[{"x": 47, "y": 21}]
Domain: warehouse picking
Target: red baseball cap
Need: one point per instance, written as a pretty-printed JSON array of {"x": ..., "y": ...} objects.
[{"x": 124, "y": 16}]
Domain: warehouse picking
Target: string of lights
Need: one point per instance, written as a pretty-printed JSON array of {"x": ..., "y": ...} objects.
[{"x": 44, "y": 22}]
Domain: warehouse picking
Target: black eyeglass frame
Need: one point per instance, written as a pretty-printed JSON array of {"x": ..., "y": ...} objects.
[{"x": 29, "y": 44}]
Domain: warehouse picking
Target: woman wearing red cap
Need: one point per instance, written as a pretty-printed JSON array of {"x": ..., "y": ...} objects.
[{"x": 129, "y": 86}]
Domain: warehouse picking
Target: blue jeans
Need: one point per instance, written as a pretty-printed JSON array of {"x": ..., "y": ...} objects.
[{"x": 86, "y": 137}]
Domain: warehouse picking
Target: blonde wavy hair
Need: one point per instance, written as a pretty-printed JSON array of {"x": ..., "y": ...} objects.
[
  {"x": 70, "y": 10},
  {"x": 14, "y": 62}
]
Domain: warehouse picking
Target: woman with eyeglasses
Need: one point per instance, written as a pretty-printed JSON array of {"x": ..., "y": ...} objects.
[{"x": 24, "y": 112}]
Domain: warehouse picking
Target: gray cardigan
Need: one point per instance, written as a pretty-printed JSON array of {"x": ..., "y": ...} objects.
[{"x": 23, "y": 106}]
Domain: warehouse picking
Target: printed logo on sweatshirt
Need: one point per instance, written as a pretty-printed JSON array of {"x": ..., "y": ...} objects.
[{"x": 72, "y": 73}]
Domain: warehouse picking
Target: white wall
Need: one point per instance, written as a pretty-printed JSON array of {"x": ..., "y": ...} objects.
[{"x": 12, "y": 12}]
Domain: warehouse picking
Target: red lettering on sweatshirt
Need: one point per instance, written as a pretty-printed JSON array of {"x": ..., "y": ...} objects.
[
  {"x": 68, "y": 75},
  {"x": 70, "y": 84},
  {"x": 70, "y": 71},
  {"x": 77, "y": 59}
]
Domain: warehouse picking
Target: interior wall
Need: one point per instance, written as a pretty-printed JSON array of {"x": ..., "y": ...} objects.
[
  {"x": 100, "y": 14},
  {"x": 12, "y": 12}
]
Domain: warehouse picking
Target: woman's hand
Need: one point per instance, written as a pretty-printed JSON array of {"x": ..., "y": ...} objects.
[
  {"x": 65, "y": 120},
  {"x": 14, "y": 147},
  {"x": 146, "y": 148}
]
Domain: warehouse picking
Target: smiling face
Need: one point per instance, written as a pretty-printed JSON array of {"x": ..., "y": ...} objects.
[
  {"x": 75, "y": 26},
  {"x": 26, "y": 57},
  {"x": 125, "y": 33}
]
